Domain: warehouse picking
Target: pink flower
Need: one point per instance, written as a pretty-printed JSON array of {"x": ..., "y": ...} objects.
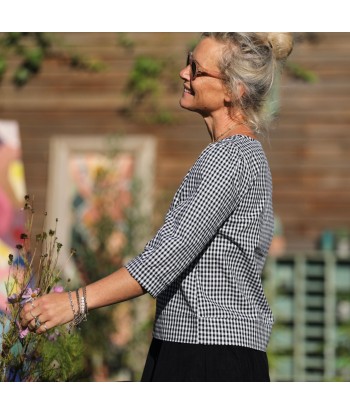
[
  {"x": 58, "y": 289},
  {"x": 29, "y": 295},
  {"x": 23, "y": 333}
]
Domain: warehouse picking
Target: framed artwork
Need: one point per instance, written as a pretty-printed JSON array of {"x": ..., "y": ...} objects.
[
  {"x": 100, "y": 192},
  {"x": 12, "y": 192}
]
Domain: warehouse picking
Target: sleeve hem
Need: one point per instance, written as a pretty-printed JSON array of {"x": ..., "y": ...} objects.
[{"x": 133, "y": 272}]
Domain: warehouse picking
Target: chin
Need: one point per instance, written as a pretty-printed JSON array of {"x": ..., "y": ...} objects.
[
  {"x": 182, "y": 104},
  {"x": 186, "y": 105}
]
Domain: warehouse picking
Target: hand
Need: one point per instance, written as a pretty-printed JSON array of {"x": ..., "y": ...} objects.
[{"x": 46, "y": 312}]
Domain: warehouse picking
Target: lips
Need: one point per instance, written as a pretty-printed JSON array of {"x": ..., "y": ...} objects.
[{"x": 188, "y": 91}]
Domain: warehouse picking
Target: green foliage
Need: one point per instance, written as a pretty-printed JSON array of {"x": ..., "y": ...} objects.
[
  {"x": 299, "y": 72},
  {"x": 124, "y": 41},
  {"x": 343, "y": 353},
  {"x": 81, "y": 62},
  {"x": 32, "y": 49},
  {"x": 3, "y": 67},
  {"x": 51, "y": 357},
  {"x": 33, "y": 59},
  {"x": 162, "y": 117},
  {"x": 62, "y": 357},
  {"x": 144, "y": 78},
  {"x": 146, "y": 85}
]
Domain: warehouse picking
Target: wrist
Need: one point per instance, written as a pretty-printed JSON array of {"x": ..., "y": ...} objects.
[
  {"x": 73, "y": 304},
  {"x": 78, "y": 305}
]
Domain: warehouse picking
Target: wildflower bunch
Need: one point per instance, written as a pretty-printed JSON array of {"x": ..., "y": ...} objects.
[{"x": 34, "y": 271}]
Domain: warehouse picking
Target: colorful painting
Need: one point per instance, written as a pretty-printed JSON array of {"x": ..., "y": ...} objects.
[
  {"x": 101, "y": 194},
  {"x": 12, "y": 192},
  {"x": 94, "y": 195}
]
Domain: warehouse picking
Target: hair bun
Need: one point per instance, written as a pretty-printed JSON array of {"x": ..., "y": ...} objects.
[{"x": 281, "y": 44}]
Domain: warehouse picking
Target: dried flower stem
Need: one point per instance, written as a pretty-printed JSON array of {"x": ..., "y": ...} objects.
[{"x": 17, "y": 346}]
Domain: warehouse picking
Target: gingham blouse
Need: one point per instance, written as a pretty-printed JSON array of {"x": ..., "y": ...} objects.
[{"x": 204, "y": 264}]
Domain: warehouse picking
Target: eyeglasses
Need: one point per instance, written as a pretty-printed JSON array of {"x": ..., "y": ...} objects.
[{"x": 196, "y": 69}]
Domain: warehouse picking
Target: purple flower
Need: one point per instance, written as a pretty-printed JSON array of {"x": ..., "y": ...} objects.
[
  {"x": 58, "y": 289},
  {"x": 12, "y": 299},
  {"x": 29, "y": 295},
  {"x": 23, "y": 333},
  {"x": 52, "y": 337}
]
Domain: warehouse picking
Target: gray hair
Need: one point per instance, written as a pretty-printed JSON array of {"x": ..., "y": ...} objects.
[{"x": 252, "y": 60}]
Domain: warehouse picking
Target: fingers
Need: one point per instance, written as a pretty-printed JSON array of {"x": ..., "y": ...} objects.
[
  {"x": 43, "y": 328},
  {"x": 31, "y": 325},
  {"x": 46, "y": 312},
  {"x": 38, "y": 322},
  {"x": 32, "y": 317},
  {"x": 28, "y": 314}
]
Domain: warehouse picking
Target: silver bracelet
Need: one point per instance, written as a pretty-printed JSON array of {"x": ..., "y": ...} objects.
[
  {"x": 72, "y": 323},
  {"x": 83, "y": 303},
  {"x": 71, "y": 302},
  {"x": 77, "y": 294},
  {"x": 81, "y": 314}
]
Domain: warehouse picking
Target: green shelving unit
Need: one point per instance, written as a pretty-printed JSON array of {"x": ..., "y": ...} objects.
[{"x": 310, "y": 298}]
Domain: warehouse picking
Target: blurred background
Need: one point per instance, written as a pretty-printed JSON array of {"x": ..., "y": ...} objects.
[{"x": 90, "y": 126}]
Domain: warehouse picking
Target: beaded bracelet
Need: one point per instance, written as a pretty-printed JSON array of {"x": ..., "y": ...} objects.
[{"x": 83, "y": 304}]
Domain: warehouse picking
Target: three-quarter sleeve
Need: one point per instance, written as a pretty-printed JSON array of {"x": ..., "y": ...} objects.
[{"x": 213, "y": 189}]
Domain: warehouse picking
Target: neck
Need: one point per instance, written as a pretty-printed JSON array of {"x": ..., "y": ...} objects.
[{"x": 222, "y": 129}]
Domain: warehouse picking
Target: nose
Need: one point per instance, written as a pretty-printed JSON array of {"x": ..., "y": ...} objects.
[{"x": 185, "y": 73}]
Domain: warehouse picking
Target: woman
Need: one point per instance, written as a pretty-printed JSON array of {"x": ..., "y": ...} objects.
[{"x": 212, "y": 320}]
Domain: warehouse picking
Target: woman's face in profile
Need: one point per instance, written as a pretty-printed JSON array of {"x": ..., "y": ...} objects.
[{"x": 205, "y": 94}]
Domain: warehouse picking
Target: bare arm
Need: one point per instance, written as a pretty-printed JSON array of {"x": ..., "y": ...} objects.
[
  {"x": 115, "y": 288},
  {"x": 55, "y": 309}
]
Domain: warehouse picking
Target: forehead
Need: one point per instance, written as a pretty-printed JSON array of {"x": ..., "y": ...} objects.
[{"x": 207, "y": 52}]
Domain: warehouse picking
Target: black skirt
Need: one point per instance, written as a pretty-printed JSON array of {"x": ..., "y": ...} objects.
[{"x": 184, "y": 362}]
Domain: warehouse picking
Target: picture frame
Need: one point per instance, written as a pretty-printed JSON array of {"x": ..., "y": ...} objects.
[{"x": 66, "y": 151}]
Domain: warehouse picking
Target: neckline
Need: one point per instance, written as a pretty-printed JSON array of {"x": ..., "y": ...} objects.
[{"x": 234, "y": 136}]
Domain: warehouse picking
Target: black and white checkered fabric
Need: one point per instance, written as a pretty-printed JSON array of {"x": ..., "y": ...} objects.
[{"x": 204, "y": 264}]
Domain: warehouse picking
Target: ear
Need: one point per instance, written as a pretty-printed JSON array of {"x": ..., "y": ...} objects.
[
  {"x": 240, "y": 90},
  {"x": 227, "y": 98}
]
